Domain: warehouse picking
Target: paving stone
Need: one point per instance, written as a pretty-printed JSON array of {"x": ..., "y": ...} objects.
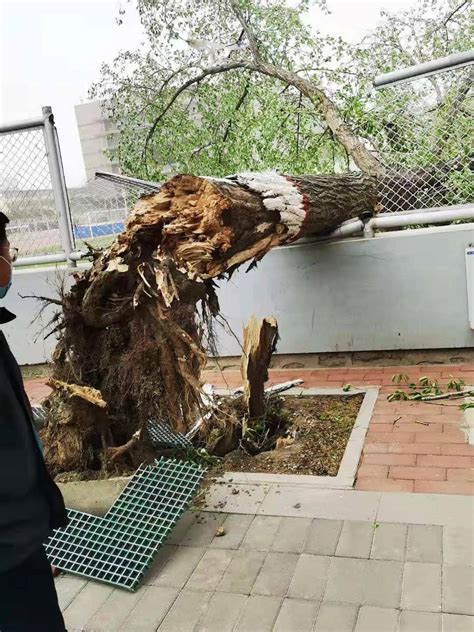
[
  {"x": 372, "y": 619},
  {"x": 421, "y": 589},
  {"x": 412, "y": 621},
  {"x": 383, "y": 583},
  {"x": 242, "y": 572},
  {"x": 458, "y": 590},
  {"x": 296, "y": 614},
  {"x": 345, "y": 583},
  {"x": 356, "y": 539},
  {"x": 457, "y": 488},
  {"x": 67, "y": 588},
  {"x": 303, "y": 501},
  {"x": 458, "y": 546},
  {"x": 186, "y": 611},
  {"x": 424, "y": 543},
  {"x": 389, "y": 542},
  {"x": 457, "y": 623},
  {"x": 334, "y": 617},
  {"x": 222, "y": 613},
  {"x": 259, "y": 613},
  {"x": 310, "y": 578},
  {"x": 247, "y": 499},
  {"x": 203, "y": 530},
  {"x": 323, "y": 536},
  {"x": 85, "y": 605},
  {"x": 435, "y": 509},
  {"x": 276, "y": 574},
  {"x": 383, "y": 484},
  {"x": 181, "y": 528},
  {"x": 150, "y": 610},
  {"x": 163, "y": 557},
  {"x": 291, "y": 535},
  {"x": 261, "y": 533},
  {"x": 179, "y": 567},
  {"x": 235, "y": 526},
  {"x": 211, "y": 568},
  {"x": 115, "y": 609}
]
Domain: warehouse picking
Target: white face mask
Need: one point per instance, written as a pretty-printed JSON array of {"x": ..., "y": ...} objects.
[{"x": 4, "y": 288}]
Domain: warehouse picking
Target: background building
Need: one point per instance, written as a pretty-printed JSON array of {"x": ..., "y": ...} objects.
[{"x": 98, "y": 136}]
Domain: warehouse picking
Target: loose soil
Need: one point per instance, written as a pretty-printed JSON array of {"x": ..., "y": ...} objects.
[{"x": 313, "y": 438}]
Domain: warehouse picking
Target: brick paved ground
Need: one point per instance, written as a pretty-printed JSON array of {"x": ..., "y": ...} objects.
[
  {"x": 281, "y": 574},
  {"x": 410, "y": 446}
]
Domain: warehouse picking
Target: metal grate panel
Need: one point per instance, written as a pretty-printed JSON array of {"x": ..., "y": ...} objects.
[
  {"x": 39, "y": 416},
  {"x": 119, "y": 548},
  {"x": 161, "y": 435}
]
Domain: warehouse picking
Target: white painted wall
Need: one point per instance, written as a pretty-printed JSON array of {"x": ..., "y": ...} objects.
[
  {"x": 25, "y": 337},
  {"x": 400, "y": 290}
]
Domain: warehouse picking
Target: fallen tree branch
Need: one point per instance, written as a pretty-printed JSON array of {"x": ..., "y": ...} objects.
[
  {"x": 453, "y": 395},
  {"x": 213, "y": 70},
  {"x": 211, "y": 226}
]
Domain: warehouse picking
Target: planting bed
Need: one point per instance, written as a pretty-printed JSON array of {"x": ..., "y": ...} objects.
[{"x": 310, "y": 434}]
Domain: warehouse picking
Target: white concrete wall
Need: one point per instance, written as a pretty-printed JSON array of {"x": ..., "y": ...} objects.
[
  {"x": 26, "y": 338},
  {"x": 95, "y": 131},
  {"x": 403, "y": 290},
  {"x": 399, "y": 290}
]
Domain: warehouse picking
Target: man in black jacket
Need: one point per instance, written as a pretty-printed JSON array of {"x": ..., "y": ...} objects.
[{"x": 30, "y": 503}]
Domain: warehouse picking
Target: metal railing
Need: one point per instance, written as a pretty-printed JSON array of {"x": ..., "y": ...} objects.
[
  {"x": 33, "y": 190},
  {"x": 421, "y": 129}
]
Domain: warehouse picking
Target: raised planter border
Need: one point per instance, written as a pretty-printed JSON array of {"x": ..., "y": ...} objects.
[{"x": 350, "y": 461}]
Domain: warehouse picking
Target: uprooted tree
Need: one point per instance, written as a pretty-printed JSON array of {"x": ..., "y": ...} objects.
[
  {"x": 131, "y": 328},
  {"x": 249, "y": 84}
]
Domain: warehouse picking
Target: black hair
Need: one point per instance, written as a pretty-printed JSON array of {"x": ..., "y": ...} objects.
[{"x": 3, "y": 225}]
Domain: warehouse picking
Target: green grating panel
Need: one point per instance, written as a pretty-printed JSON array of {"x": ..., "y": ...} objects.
[
  {"x": 161, "y": 435},
  {"x": 39, "y": 416},
  {"x": 119, "y": 548}
]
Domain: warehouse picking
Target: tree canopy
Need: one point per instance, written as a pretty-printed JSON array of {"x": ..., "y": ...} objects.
[{"x": 230, "y": 85}]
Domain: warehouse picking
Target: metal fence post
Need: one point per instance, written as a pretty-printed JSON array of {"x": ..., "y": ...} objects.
[{"x": 58, "y": 184}]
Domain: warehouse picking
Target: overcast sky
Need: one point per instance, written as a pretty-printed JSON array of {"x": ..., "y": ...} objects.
[{"x": 51, "y": 52}]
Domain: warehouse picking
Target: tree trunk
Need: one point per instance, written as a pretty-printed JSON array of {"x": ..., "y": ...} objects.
[
  {"x": 260, "y": 340},
  {"x": 211, "y": 226},
  {"x": 130, "y": 328}
]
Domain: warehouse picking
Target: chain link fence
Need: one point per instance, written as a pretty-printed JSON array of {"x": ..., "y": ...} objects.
[
  {"x": 422, "y": 132},
  {"x": 99, "y": 209},
  {"x": 26, "y": 194},
  {"x": 33, "y": 191}
]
